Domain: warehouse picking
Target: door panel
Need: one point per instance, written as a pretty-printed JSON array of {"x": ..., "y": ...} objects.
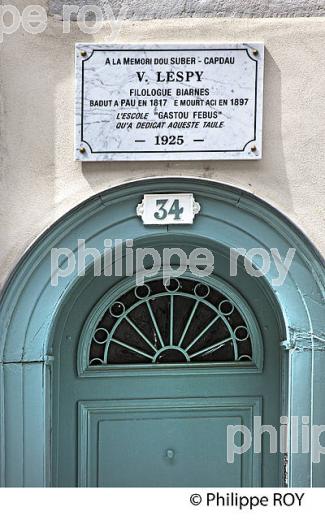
[{"x": 154, "y": 442}]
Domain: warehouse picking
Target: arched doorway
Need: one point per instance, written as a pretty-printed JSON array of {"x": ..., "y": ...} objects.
[
  {"x": 162, "y": 371},
  {"x": 38, "y": 317}
]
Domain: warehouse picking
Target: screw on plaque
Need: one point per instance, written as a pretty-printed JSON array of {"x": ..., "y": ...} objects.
[
  {"x": 83, "y": 53},
  {"x": 255, "y": 52},
  {"x": 253, "y": 148},
  {"x": 82, "y": 149}
]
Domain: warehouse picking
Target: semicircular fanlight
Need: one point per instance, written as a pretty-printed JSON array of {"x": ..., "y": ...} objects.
[{"x": 183, "y": 322}]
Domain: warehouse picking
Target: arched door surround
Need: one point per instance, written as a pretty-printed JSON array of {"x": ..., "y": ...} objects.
[{"x": 30, "y": 308}]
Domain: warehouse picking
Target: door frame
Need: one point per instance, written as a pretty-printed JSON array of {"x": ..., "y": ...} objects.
[{"x": 30, "y": 307}]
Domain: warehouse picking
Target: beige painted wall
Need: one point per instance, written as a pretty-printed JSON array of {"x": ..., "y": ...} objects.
[{"x": 40, "y": 180}]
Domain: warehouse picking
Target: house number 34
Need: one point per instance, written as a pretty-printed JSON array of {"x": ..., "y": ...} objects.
[
  {"x": 165, "y": 209},
  {"x": 171, "y": 208}
]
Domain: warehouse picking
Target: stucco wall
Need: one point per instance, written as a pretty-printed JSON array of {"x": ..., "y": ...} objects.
[
  {"x": 40, "y": 180},
  {"x": 149, "y": 9}
]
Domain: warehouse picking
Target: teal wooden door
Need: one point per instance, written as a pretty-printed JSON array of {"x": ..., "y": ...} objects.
[{"x": 148, "y": 380}]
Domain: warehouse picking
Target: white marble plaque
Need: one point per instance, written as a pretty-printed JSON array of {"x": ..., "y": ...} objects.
[{"x": 169, "y": 102}]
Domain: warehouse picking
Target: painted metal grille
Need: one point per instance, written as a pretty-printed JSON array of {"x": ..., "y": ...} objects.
[{"x": 183, "y": 322}]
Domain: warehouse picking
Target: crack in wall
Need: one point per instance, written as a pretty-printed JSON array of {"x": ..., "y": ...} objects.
[{"x": 302, "y": 341}]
